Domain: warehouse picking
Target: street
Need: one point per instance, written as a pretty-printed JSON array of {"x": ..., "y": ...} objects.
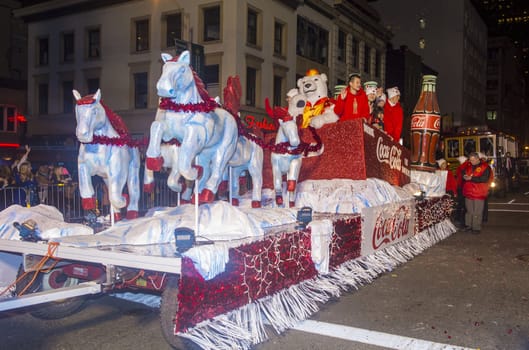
[{"x": 467, "y": 291}]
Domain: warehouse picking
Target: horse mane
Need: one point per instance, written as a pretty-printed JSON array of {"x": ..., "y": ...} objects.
[
  {"x": 201, "y": 87},
  {"x": 116, "y": 121}
]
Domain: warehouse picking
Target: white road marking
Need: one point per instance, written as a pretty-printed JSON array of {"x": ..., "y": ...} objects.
[
  {"x": 510, "y": 210},
  {"x": 511, "y": 201},
  {"x": 372, "y": 337},
  {"x": 508, "y": 203},
  {"x": 526, "y": 193}
]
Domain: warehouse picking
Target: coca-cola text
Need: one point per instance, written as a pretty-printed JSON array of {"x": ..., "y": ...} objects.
[{"x": 390, "y": 229}]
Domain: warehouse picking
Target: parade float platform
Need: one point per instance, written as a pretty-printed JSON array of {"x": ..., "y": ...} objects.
[{"x": 253, "y": 266}]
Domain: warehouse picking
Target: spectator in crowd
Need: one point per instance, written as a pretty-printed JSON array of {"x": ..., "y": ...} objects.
[
  {"x": 476, "y": 178},
  {"x": 43, "y": 179},
  {"x": 22, "y": 159},
  {"x": 460, "y": 208},
  {"x": 483, "y": 159},
  {"x": 508, "y": 165},
  {"x": 62, "y": 192},
  {"x": 5, "y": 176},
  {"x": 26, "y": 194}
]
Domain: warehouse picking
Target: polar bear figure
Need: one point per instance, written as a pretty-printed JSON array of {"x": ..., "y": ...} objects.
[{"x": 319, "y": 109}]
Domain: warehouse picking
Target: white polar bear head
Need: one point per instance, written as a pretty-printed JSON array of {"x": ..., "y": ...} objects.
[{"x": 313, "y": 86}]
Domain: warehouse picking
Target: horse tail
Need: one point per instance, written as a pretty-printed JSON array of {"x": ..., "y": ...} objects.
[
  {"x": 276, "y": 112},
  {"x": 133, "y": 179},
  {"x": 232, "y": 95}
]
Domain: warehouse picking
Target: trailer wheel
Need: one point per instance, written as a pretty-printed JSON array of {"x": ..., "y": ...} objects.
[
  {"x": 168, "y": 310},
  {"x": 47, "y": 281}
]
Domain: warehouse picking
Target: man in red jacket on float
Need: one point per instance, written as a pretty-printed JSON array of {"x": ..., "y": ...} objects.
[
  {"x": 352, "y": 102},
  {"x": 393, "y": 114}
]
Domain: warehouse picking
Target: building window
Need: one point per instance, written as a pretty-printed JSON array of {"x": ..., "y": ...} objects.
[
  {"x": 341, "y": 46},
  {"x": 278, "y": 90},
  {"x": 92, "y": 85},
  {"x": 492, "y": 84},
  {"x": 8, "y": 120},
  {"x": 422, "y": 43},
  {"x": 142, "y": 35},
  {"x": 67, "y": 97},
  {"x": 211, "y": 16},
  {"x": 211, "y": 74},
  {"x": 140, "y": 90},
  {"x": 11, "y": 119},
  {"x": 491, "y": 115},
  {"x": 43, "y": 98},
  {"x": 251, "y": 33},
  {"x": 94, "y": 43},
  {"x": 312, "y": 41},
  {"x": 67, "y": 47},
  {"x": 378, "y": 64},
  {"x": 251, "y": 83},
  {"x": 43, "y": 52},
  {"x": 173, "y": 29},
  {"x": 2, "y": 119},
  {"x": 367, "y": 59},
  {"x": 422, "y": 23},
  {"x": 279, "y": 30},
  {"x": 354, "y": 53}
]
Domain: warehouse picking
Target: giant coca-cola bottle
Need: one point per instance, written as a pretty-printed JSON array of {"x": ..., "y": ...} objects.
[{"x": 425, "y": 127}]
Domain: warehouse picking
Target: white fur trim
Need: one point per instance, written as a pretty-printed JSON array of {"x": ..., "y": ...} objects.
[{"x": 394, "y": 91}]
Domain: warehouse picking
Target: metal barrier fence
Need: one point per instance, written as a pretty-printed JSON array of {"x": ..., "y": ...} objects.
[{"x": 67, "y": 199}]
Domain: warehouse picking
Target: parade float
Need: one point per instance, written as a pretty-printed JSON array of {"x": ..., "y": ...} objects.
[{"x": 333, "y": 206}]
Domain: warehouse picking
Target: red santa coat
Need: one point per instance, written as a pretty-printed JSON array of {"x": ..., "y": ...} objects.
[
  {"x": 353, "y": 106},
  {"x": 393, "y": 117},
  {"x": 451, "y": 183},
  {"x": 460, "y": 171}
]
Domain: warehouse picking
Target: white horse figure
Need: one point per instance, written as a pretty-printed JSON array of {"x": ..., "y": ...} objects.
[
  {"x": 286, "y": 163},
  {"x": 106, "y": 150},
  {"x": 169, "y": 153},
  {"x": 248, "y": 156},
  {"x": 208, "y": 134}
]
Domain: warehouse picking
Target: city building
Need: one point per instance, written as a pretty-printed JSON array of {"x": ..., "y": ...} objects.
[
  {"x": 508, "y": 18},
  {"x": 506, "y": 92},
  {"x": 116, "y": 46},
  {"x": 451, "y": 38},
  {"x": 13, "y": 68}
]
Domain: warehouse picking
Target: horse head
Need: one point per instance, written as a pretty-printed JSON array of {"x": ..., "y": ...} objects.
[
  {"x": 90, "y": 115},
  {"x": 287, "y": 119},
  {"x": 178, "y": 82}
]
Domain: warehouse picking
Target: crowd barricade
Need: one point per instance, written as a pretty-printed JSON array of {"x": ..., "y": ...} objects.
[{"x": 67, "y": 199}]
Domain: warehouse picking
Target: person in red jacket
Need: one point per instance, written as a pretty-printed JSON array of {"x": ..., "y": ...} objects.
[
  {"x": 460, "y": 209},
  {"x": 476, "y": 178},
  {"x": 393, "y": 114},
  {"x": 352, "y": 101}
]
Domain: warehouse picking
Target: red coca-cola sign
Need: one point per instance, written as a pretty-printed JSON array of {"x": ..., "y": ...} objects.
[
  {"x": 426, "y": 121},
  {"x": 390, "y": 229}
]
